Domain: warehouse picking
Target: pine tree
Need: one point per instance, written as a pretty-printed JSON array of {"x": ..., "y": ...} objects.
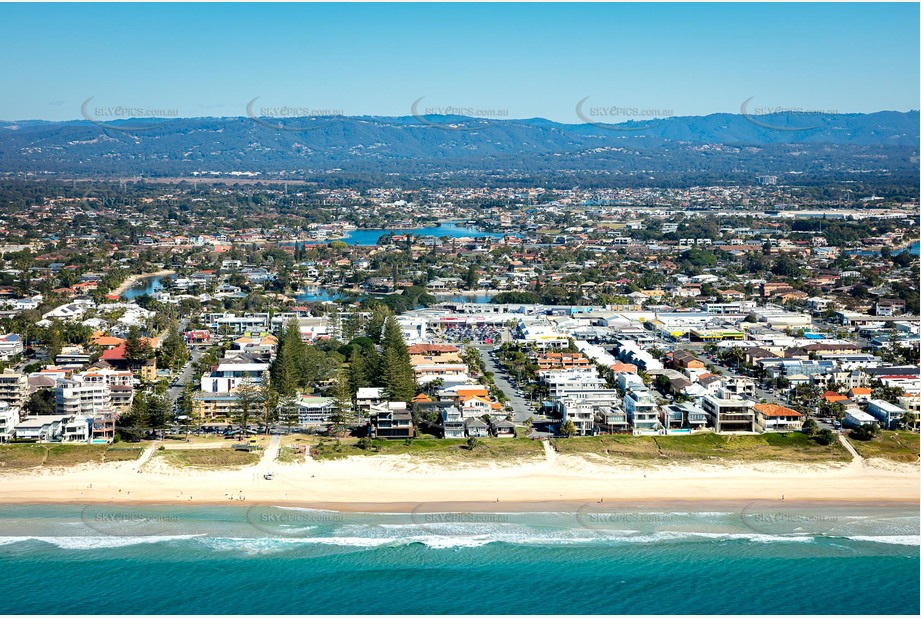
[
  {"x": 472, "y": 278},
  {"x": 342, "y": 415},
  {"x": 173, "y": 351},
  {"x": 358, "y": 371},
  {"x": 399, "y": 377},
  {"x": 284, "y": 369},
  {"x": 137, "y": 350},
  {"x": 268, "y": 397},
  {"x": 392, "y": 337},
  {"x": 397, "y": 370},
  {"x": 247, "y": 398},
  {"x": 379, "y": 315},
  {"x": 351, "y": 326}
]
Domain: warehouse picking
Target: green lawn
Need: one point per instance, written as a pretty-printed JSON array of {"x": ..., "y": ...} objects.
[
  {"x": 73, "y": 454},
  {"x": 434, "y": 449},
  {"x": 792, "y": 446},
  {"x": 122, "y": 453},
  {"x": 208, "y": 458},
  {"x": 902, "y": 446},
  {"x": 20, "y": 456},
  {"x": 286, "y": 454}
]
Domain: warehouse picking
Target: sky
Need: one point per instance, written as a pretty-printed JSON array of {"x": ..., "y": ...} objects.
[{"x": 621, "y": 61}]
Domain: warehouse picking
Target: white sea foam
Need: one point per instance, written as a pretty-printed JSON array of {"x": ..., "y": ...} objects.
[
  {"x": 891, "y": 540},
  {"x": 94, "y": 542}
]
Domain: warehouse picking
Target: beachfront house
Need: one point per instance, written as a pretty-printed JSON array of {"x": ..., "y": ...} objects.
[
  {"x": 856, "y": 418},
  {"x": 729, "y": 415},
  {"x": 611, "y": 419},
  {"x": 452, "y": 423},
  {"x": 77, "y": 429},
  {"x": 774, "y": 417},
  {"x": 391, "y": 420},
  {"x": 580, "y": 412},
  {"x": 476, "y": 428},
  {"x": 642, "y": 410},
  {"x": 42, "y": 428},
  {"x": 888, "y": 414}
]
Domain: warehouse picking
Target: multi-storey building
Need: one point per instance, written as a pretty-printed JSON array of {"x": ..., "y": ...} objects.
[
  {"x": 14, "y": 388},
  {"x": 75, "y": 397}
]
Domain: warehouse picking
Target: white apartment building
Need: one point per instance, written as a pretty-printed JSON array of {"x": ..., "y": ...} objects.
[
  {"x": 229, "y": 375},
  {"x": 9, "y": 418},
  {"x": 642, "y": 410},
  {"x": 73, "y": 397},
  {"x": 581, "y": 413},
  {"x": 568, "y": 380},
  {"x": 14, "y": 388}
]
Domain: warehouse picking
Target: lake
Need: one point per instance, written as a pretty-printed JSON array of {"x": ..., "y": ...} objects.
[
  {"x": 147, "y": 285},
  {"x": 369, "y": 237},
  {"x": 480, "y": 298},
  {"x": 316, "y": 294}
]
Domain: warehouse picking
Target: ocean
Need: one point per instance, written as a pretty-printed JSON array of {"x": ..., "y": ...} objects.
[{"x": 762, "y": 558}]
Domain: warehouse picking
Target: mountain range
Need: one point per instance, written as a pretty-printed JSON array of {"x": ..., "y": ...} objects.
[{"x": 695, "y": 148}]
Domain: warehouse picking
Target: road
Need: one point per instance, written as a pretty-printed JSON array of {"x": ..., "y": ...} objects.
[
  {"x": 185, "y": 376},
  {"x": 521, "y": 408}
]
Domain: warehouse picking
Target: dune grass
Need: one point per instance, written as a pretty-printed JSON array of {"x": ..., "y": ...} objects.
[
  {"x": 792, "y": 446},
  {"x": 208, "y": 458},
  {"x": 23, "y": 456},
  {"x": 123, "y": 453},
  {"x": 486, "y": 449},
  {"x": 901, "y": 446}
]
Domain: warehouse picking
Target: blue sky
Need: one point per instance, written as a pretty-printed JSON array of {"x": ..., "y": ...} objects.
[{"x": 501, "y": 60}]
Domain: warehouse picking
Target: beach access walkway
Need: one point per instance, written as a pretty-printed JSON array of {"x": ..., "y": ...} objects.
[
  {"x": 856, "y": 458},
  {"x": 147, "y": 454},
  {"x": 270, "y": 454}
]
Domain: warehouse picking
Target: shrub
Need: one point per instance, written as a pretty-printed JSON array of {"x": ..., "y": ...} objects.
[
  {"x": 810, "y": 427},
  {"x": 865, "y": 432},
  {"x": 825, "y": 437}
]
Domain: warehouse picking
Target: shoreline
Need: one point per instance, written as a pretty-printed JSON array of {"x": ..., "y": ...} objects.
[
  {"x": 364, "y": 484},
  {"x": 518, "y": 507},
  {"x": 132, "y": 279}
]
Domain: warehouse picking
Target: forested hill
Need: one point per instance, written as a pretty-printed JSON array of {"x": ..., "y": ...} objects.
[{"x": 701, "y": 148}]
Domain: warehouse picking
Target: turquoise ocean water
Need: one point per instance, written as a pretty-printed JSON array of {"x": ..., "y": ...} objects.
[{"x": 755, "y": 559}]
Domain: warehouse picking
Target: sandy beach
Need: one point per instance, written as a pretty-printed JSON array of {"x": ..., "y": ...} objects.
[
  {"x": 398, "y": 483},
  {"x": 132, "y": 279}
]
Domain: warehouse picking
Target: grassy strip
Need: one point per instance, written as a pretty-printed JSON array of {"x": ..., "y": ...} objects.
[
  {"x": 286, "y": 454},
  {"x": 208, "y": 458},
  {"x": 23, "y": 456},
  {"x": 60, "y": 455},
  {"x": 486, "y": 449},
  {"x": 122, "y": 453},
  {"x": 901, "y": 446},
  {"x": 793, "y": 447}
]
